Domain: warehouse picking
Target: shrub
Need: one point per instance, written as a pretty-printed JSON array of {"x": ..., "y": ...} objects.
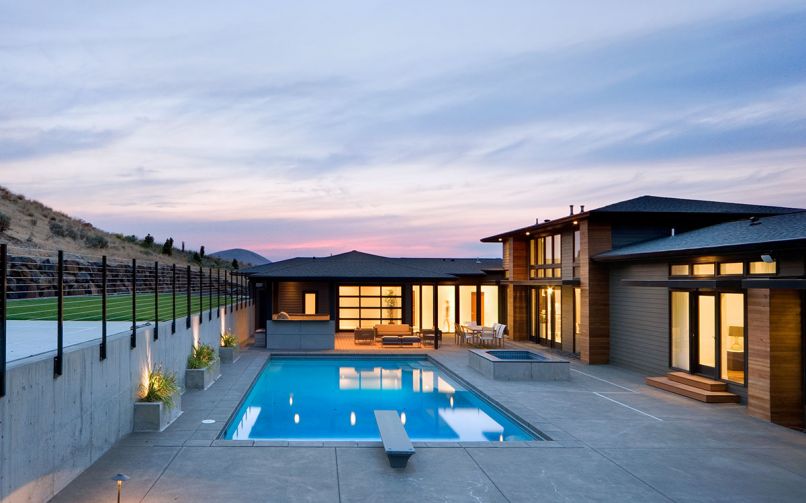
[
  {"x": 5, "y": 222},
  {"x": 161, "y": 387},
  {"x": 148, "y": 240},
  {"x": 131, "y": 238},
  {"x": 228, "y": 340},
  {"x": 168, "y": 247},
  {"x": 235, "y": 264},
  {"x": 201, "y": 356},
  {"x": 196, "y": 257},
  {"x": 63, "y": 231},
  {"x": 201, "y": 252},
  {"x": 96, "y": 241}
]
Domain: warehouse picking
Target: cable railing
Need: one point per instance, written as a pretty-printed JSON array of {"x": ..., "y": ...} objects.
[{"x": 53, "y": 290}]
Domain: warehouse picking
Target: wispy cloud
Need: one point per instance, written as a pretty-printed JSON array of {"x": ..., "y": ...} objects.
[{"x": 391, "y": 130}]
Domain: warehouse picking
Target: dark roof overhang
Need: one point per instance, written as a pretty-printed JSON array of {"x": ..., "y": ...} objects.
[
  {"x": 729, "y": 249},
  {"x": 728, "y": 284},
  {"x": 537, "y": 228},
  {"x": 542, "y": 282}
]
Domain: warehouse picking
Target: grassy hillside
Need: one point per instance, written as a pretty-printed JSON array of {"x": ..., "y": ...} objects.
[{"x": 25, "y": 223}]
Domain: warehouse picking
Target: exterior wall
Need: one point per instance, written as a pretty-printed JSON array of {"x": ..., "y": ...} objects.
[
  {"x": 53, "y": 429},
  {"x": 639, "y": 319},
  {"x": 775, "y": 366},
  {"x": 290, "y": 296},
  {"x": 594, "y": 344}
]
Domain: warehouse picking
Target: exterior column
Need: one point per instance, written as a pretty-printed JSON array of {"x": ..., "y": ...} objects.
[
  {"x": 332, "y": 295},
  {"x": 594, "y": 336},
  {"x": 775, "y": 366}
]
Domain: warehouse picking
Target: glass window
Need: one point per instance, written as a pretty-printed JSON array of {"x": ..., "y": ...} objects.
[
  {"x": 762, "y": 267},
  {"x": 467, "y": 304},
  {"x": 377, "y": 304},
  {"x": 731, "y": 269},
  {"x": 446, "y": 307},
  {"x": 577, "y": 317},
  {"x": 680, "y": 330},
  {"x": 557, "y": 248},
  {"x": 732, "y": 336},
  {"x": 310, "y": 302},
  {"x": 558, "y": 309},
  {"x": 370, "y": 290},
  {"x": 348, "y": 290},
  {"x": 349, "y": 301},
  {"x": 532, "y": 252},
  {"x": 549, "y": 250},
  {"x": 704, "y": 269},
  {"x": 577, "y": 245},
  {"x": 427, "y": 298},
  {"x": 415, "y": 307},
  {"x": 489, "y": 305},
  {"x": 679, "y": 270}
]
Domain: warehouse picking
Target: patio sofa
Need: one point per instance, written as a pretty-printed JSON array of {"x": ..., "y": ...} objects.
[{"x": 396, "y": 335}]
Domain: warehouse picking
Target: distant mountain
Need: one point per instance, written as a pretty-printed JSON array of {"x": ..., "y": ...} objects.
[{"x": 244, "y": 257}]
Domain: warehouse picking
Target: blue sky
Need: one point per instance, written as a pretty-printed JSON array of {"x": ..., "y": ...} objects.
[{"x": 401, "y": 128}]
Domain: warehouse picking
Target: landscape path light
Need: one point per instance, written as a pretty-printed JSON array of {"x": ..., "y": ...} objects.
[{"x": 120, "y": 479}]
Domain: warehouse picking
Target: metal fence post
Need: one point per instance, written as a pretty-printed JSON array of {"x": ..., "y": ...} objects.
[
  {"x": 173, "y": 298},
  {"x": 201, "y": 295},
  {"x": 103, "y": 307},
  {"x": 189, "y": 295},
  {"x": 133, "y": 342},
  {"x": 156, "y": 300},
  {"x": 210, "y": 294},
  {"x": 218, "y": 294},
  {"x": 231, "y": 298},
  {"x": 57, "y": 360},
  {"x": 3, "y": 287}
]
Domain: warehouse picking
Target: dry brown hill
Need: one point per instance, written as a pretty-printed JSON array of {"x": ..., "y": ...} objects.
[{"x": 25, "y": 223}]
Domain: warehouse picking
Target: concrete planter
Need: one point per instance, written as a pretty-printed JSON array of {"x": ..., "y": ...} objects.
[
  {"x": 156, "y": 416},
  {"x": 229, "y": 355},
  {"x": 203, "y": 378}
]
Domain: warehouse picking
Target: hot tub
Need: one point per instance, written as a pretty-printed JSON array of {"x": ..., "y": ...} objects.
[{"x": 518, "y": 365}]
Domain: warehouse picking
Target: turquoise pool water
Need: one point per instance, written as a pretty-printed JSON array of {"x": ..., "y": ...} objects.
[{"x": 325, "y": 398}]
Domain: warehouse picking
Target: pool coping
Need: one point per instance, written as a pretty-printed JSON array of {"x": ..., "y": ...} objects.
[{"x": 544, "y": 440}]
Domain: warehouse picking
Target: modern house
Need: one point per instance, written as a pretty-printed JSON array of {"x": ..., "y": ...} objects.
[
  {"x": 660, "y": 284},
  {"x": 359, "y": 290}
]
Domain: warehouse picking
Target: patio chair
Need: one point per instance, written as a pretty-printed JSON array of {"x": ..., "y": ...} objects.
[
  {"x": 500, "y": 333},
  {"x": 364, "y": 336},
  {"x": 487, "y": 335}
]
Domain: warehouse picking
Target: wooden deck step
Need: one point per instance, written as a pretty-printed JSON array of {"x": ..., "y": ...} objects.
[
  {"x": 700, "y": 394},
  {"x": 697, "y": 381}
]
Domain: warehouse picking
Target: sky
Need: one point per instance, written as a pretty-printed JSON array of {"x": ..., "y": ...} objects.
[{"x": 399, "y": 128}]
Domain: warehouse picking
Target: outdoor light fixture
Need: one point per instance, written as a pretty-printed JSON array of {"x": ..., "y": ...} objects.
[
  {"x": 767, "y": 258},
  {"x": 576, "y": 222},
  {"x": 120, "y": 479},
  {"x": 527, "y": 233},
  {"x": 296, "y": 418},
  {"x": 291, "y": 399},
  {"x": 403, "y": 418},
  {"x": 352, "y": 418},
  {"x": 451, "y": 401}
]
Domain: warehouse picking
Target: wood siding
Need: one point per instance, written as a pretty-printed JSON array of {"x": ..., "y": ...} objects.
[
  {"x": 517, "y": 311},
  {"x": 639, "y": 319},
  {"x": 594, "y": 344},
  {"x": 520, "y": 260},
  {"x": 775, "y": 367},
  {"x": 291, "y": 300}
]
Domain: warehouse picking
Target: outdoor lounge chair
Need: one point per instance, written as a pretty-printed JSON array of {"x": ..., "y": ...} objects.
[
  {"x": 428, "y": 336},
  {"x": 500, "y": 333}
]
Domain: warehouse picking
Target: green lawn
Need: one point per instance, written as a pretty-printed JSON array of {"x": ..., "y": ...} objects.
[{"x": 119, "y": 307}]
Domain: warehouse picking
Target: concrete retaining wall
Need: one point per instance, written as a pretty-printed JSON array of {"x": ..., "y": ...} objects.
[{"x": 53, "y": 429}]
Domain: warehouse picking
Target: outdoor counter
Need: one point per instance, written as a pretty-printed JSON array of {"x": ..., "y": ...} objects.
[{"x": 301, "y": 334}]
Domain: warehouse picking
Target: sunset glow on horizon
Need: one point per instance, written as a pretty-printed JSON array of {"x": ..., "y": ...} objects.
[{"x": 402, "y": 129}]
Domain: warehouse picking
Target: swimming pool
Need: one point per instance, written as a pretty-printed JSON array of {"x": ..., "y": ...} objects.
[{"x": 334, "y": 398}]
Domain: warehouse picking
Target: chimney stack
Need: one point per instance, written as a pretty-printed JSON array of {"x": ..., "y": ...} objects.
[
  {"x": 537, "y": 221},
  {"x": 572, "y": 208},
  {"x": 582, "y": 208}
]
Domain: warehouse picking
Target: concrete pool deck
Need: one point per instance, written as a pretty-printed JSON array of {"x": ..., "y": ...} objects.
[{"x": 614, "y": 439}]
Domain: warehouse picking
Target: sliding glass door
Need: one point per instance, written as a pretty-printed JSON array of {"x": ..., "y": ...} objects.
[
  {"x": 707, "y": 334},
  {"x": 546, "y": 315}
]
